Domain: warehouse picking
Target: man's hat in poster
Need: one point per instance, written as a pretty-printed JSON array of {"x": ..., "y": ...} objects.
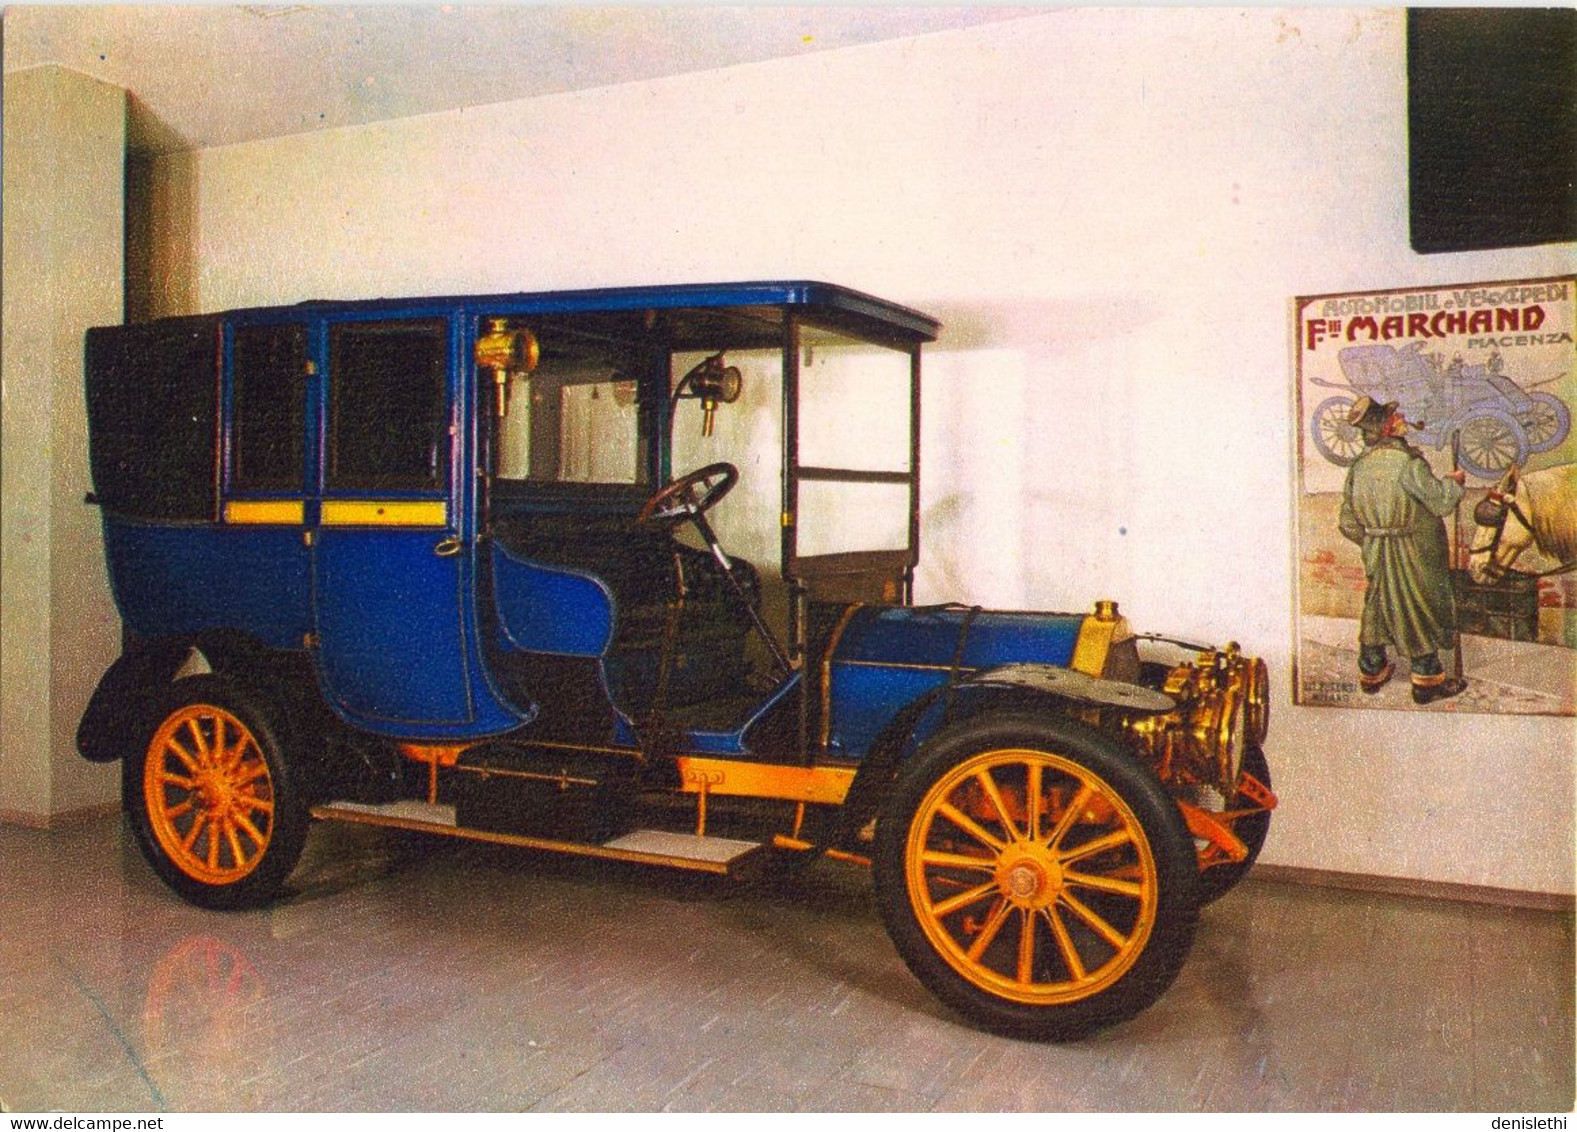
[{"x": 1370, "y": 415}]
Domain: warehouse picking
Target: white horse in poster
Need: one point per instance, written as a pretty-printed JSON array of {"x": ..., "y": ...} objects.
[{"x": 1537, "y": 509}]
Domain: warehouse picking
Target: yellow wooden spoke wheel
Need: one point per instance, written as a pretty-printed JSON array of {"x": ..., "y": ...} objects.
[
  {"x": 211, "y": 796},
  {"x": 1031, "y": 876},
  {"x": 1035, "y": 876}
]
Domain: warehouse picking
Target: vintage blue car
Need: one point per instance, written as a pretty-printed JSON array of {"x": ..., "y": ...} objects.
[{"x": 425, "y": 564}]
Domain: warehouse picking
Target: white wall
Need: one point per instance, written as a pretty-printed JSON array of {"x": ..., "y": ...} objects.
[
  {"x": 64, "y": 155},
  {"x": 1110, "y": 210}
]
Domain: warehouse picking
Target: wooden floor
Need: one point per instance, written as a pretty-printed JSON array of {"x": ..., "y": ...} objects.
[{"x": 410, "y": 974}]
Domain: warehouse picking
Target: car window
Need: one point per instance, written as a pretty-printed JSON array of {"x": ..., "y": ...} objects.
[
  {"x": 854, "y": 421},
  {"x": 268, "y": 397},
  {"x": 574, "y": 419},
  {"x": 388, "y": 415},
  {"x": 853, "y": 404}
]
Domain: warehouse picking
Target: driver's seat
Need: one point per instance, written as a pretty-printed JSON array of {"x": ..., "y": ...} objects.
[
  {"x": 646, "y": 570},
  {"x": 700, "y": 627}
]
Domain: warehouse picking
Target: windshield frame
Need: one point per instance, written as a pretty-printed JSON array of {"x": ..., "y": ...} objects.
[{"x": 798, "y": 570}]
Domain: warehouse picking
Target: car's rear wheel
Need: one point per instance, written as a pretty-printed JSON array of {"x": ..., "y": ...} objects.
[
  {"x": 212, "y": 797},
  {"x": 1035, "y": 877},
  {"x": 1338, "y": 440}
]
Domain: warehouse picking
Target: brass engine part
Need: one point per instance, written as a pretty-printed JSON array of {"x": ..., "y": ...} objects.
[{"x": 1223, "y": 704}]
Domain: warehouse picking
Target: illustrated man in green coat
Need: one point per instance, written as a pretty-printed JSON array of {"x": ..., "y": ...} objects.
[{"x": 1393, "y": 506}]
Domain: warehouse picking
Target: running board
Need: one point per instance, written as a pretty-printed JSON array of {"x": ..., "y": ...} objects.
[{"x": 719, "y": 855}]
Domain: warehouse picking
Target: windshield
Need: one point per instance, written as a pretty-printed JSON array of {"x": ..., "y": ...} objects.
[
  {"x": 587, "y": 412},
  {"x": 854, "y": 451},
  {"x": 855, "y": 447}
]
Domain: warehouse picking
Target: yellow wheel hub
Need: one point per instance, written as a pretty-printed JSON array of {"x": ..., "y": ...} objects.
[
  {"x": 209, "y": 794},
  {"x": 1031, "y": 877}
]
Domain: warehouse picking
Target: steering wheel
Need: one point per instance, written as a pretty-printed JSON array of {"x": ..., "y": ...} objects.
[
  {"x": 688, "y": 499},
  {"x": 690, "y": 496}
]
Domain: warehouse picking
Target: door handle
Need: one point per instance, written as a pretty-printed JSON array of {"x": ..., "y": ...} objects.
[{"x": 448, "y": 548}]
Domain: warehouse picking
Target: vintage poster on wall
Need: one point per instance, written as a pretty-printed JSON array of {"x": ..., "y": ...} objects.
[{"x": 1437, "y": 499}]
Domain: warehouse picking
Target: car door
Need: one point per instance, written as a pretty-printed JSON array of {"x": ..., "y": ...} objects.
[
  {"x": 262, "y": 578},
  {"x": 391, "y": 568}
]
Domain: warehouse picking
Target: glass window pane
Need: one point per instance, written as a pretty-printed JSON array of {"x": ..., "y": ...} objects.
[
  {"x": 388, "y": 420},
  {"x": 748, "y": 434},
  {"x": 836, "y": 518},
  {"x": 597, "y": 433},
  {"x": 574, "y": 419},
  {"x": 268, "y": 387},
  {"x": 853, "y": 404}
]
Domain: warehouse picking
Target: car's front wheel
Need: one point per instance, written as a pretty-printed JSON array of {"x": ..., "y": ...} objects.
[
  {"x": 1252, "y": 828},
  {"x": 1035, "y": 877},
  {"x": 211, "y": 794}
]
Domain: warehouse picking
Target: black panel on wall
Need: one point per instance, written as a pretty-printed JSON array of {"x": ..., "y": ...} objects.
[{"x": 1492, "y": 121}]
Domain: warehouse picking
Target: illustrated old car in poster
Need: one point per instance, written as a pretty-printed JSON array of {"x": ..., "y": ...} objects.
[
  {"x": 453, "y": 565},
  {"x": 1496, "y": 423}
]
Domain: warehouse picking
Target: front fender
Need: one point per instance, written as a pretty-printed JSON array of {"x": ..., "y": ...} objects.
[
  {"x": 1072, "y": 686},
  {"x": 1047, "y": 688},
  {"x": 1031, "y": 687}
]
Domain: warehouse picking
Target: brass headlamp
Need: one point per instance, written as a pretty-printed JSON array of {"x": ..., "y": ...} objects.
[
  {"x": 714, "y": 383},
  {"x": 506, "y": 351}
]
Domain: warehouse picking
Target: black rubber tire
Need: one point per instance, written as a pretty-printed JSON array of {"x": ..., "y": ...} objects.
[
  {"x": 1154, "y": 962},
  {"x": 1218, "y": 880},
  {"x": 285, "y": 825}
]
